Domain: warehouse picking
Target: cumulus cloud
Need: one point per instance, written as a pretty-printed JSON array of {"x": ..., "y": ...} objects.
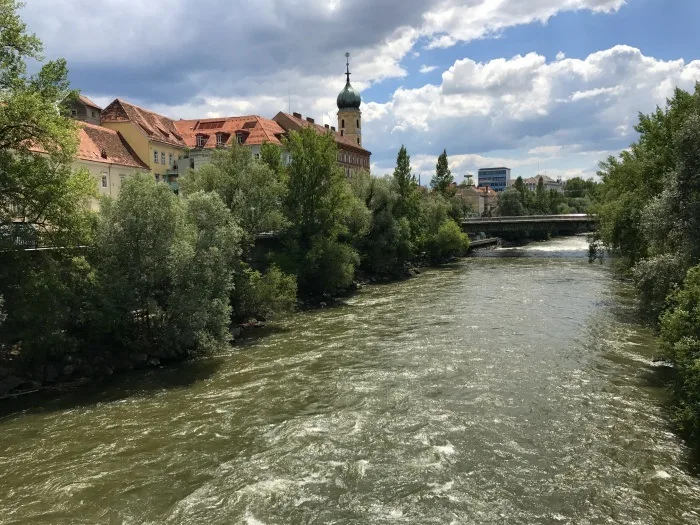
[
  {"x": 575, "y": 105},
  {"x": 224, "y": 58}
]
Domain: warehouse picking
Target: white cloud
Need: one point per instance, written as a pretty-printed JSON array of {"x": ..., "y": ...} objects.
[
  {"x": 549, "y": 110},
  {"x": 191, "y": 63}
]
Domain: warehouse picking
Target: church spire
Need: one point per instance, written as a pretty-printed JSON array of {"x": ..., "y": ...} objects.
[{"x": 347, "y": 65}]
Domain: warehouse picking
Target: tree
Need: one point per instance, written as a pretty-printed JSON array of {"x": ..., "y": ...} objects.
[
  {"x": 318, "y": 206},
  {"x": 510, "y": 203},
  {"x": 39, "y": 193},
  {"x": 272, "y": 156},
  {"x": 387, "y": 245},
  {"x": 165, "y": 269},
  {"x": 407, "y": 205},
  {"x": 250, "y": 189},
  {"x": 442, "y": 180}
]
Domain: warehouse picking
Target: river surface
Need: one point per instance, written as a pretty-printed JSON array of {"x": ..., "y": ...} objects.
[{"x": 511, "y": 387}]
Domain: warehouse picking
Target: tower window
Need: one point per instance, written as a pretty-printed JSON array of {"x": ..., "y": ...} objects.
[
  {"x": 358, "y": 141},
  {"x": 342, "y": 124},
  {"x": 342, "y": 132},
  {"x": 357, "y": 122}
]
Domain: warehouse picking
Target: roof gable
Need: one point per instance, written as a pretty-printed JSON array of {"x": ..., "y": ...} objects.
[
  {"x": 98, "y": 144},
  {"x": 157, "y": 127}
]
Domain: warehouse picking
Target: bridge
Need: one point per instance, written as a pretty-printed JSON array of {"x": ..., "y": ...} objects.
[{"x": 539, "y": 224}]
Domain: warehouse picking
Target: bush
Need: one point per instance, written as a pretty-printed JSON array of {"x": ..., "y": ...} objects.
[
  {"x": 449, "y": 241},
  {"x": 680, "y": 334},
  {"x": 263, "y": 296}
]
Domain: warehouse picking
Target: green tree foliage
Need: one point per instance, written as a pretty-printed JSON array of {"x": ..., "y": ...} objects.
[
  {"x": 407, "y": 185},
  {"x": 319, "y": 205},
  {"x": 263, "y": 295},
  {"x": 680, "y": 333},
  {"x": 442, "y": 180},
  {"x": 165, "y": 268},
  {"x": 650, "y": 218},
  {"x": 272, "y": 155},
  {"x": 250, "y": 189},
  {"x": 386, "y": 247},
  {"x": 510, "y": 203},
  {"x": 38, "y": 192}
]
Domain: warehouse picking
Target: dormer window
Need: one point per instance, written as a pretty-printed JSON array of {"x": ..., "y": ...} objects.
[
  {"x": 201, "y": 140},
  {"x": 220, "y": 141},
  {"x": 240, "y": 138}
]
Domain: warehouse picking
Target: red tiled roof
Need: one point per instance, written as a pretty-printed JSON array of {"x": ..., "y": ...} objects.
[
  {"x": 255, "y": 129},
  {"x": 340, "y": 140},
  {"x": 157, "y": 127},
  {"x": 94, "y": 140},
  {"x": 88, "y": 102}
]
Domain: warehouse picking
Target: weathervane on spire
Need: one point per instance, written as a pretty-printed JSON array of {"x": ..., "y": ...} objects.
[{"x": 347, "y": 64}]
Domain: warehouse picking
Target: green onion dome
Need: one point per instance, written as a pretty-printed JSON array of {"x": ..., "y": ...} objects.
[{"x": 349, "y": 98}]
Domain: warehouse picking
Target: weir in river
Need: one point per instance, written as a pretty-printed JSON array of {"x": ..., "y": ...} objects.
[{"x": 511, "y": 387}]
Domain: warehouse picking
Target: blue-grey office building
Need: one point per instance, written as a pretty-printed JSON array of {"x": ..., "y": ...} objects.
[{"x": 495, "y": 178}]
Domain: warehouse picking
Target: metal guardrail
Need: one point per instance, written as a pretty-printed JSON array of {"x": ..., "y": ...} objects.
[{"x": 578, "y": 217}]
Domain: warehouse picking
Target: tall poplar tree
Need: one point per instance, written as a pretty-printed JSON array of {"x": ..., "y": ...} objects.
[
  {"x": 443, "y": 176},
  {"x": 407, "y": 185}
]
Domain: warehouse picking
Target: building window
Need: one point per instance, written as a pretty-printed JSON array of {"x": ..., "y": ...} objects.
[
  {"x": 201, "y": 141},
  {"x": 162, "y": 158},
  {"x": 257, "y": 156},
  {"x": 357, "y": 123},
  {"x": 342, "y": 124},
  {"x": 104, "y": 180},
  {"x": 219, "y": 139},
  {"x": 74, "y": 112},
  {"x": 170, "y": 159},
  {"x": 342, "y": 132},
  {"x": 122, "y": 178},
  {"x": 155, "y": 156},
  {"x": 94, "y": 115},
  {"x": 358, "y": 141}
]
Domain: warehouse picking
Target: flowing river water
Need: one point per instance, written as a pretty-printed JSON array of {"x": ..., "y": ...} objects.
[{"x": 511, "y": 387}]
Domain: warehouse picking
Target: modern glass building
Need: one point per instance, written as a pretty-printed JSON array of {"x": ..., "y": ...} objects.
[{"x": 495, "y": 178}]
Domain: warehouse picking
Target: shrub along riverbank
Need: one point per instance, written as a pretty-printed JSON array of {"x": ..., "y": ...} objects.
[
  {"x": 154, "y": 276},
  {"x": 649, "y": 219}
]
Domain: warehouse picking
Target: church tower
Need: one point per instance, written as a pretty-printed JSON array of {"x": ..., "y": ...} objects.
[{"x": 349, "y": 114}]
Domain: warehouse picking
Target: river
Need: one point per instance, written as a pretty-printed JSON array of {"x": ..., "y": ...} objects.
[{"x": 511, "y": 387}]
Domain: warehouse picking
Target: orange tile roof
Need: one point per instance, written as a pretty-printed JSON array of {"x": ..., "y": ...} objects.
[
  {"x": 96, "y": 140},
  {"x": 255, "y": 129},
  {"x": 155, "y": 126},
  {"x": 88, "y": 102},
  {"x": 340, "y": 140}
]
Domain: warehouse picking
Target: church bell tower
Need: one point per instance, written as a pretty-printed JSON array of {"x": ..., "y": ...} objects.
[{"x": 349, "y": 114}]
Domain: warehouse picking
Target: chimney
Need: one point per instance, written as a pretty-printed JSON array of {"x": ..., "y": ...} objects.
[
  {"x": 297, "y": 115},
  {"x": 326, "y": 126},
  {"x": 309, "y": 120}
]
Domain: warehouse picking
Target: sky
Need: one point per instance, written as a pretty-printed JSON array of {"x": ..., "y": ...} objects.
[{"x": 548, "y": 85}]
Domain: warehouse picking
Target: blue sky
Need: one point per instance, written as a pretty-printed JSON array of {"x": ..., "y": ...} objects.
[{"x": 525, "y": 83}]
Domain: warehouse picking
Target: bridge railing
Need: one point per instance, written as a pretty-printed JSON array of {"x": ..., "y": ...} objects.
[{"x": 574, "y": 217}]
